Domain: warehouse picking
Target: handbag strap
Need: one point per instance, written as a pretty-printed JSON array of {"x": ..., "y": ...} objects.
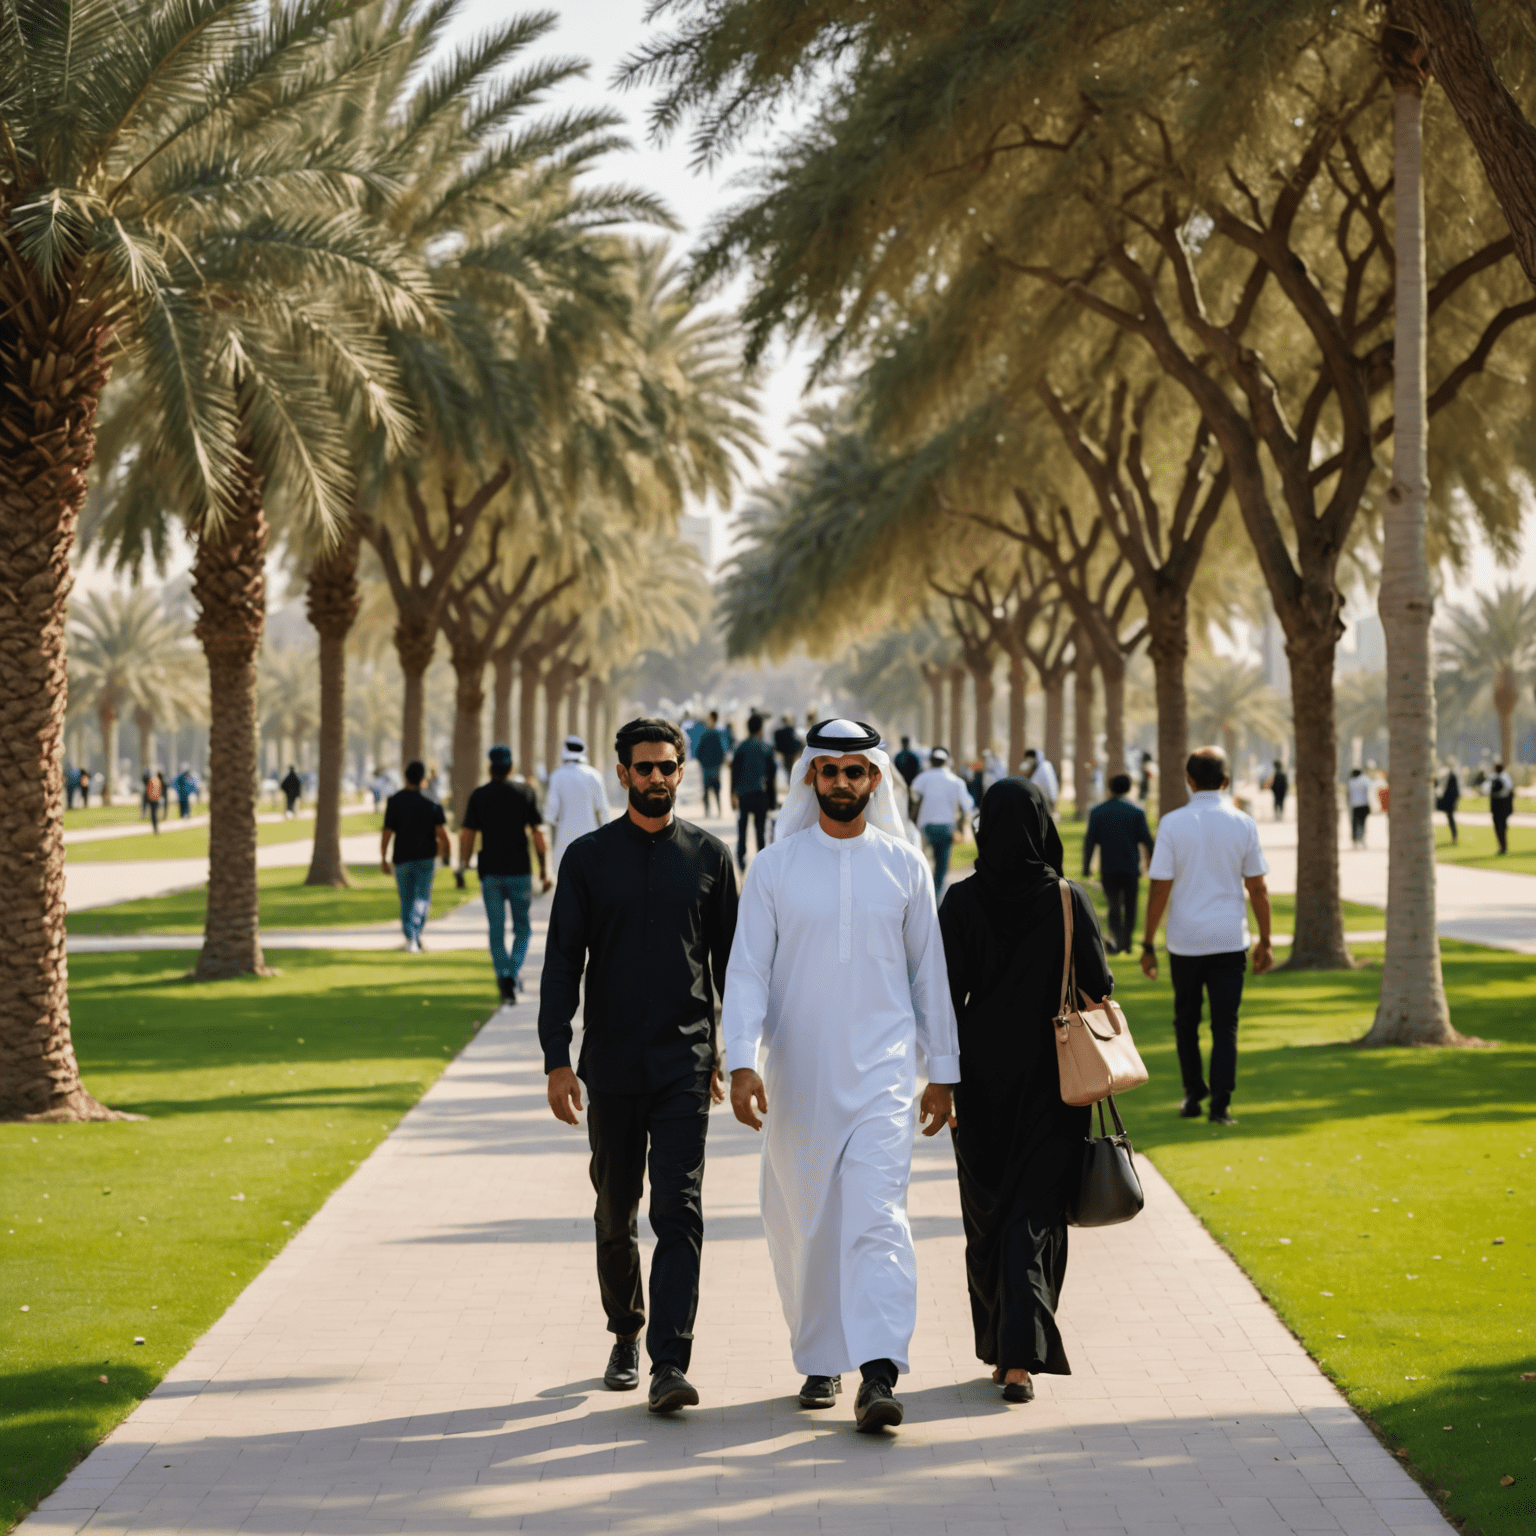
[
  {"x": 1115, "y": 1111},
  {"x": 1066, "y": 951}
]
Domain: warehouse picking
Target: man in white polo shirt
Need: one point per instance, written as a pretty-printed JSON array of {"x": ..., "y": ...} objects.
[{"x": 1207, "y": 852}]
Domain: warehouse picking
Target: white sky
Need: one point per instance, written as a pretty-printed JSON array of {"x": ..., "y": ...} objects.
[{"x": 605, "y": 31}]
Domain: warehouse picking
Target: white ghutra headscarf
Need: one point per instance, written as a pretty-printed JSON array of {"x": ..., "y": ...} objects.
[{"x": 841, "y": 738}]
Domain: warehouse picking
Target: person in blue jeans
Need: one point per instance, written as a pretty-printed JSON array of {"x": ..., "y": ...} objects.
[
  {"x": 420, "y": 834},
  {"x": 504, "y": 814}
]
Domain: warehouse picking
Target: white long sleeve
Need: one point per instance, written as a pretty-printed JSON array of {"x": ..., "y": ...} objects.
[{"x": 749, "y": 974}]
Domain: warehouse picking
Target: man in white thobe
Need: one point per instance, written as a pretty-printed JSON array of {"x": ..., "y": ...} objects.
[
  {"x": 838, "y": 968},
  {"x": 576, "y": 801}
]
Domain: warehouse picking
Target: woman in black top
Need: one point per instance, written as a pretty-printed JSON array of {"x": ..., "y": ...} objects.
[{"x": 1018, "y": 1147}]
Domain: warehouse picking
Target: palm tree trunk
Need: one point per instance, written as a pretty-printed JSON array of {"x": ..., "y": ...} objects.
[
  {"x": 501, "y": 699},
  {"x": 1017, "y": 696},
  {"x": 144, "y": 723},
  {"x": 468, "y": 708},
  {"x": 332, "y": 602},
  {"x": 594, "y": 701},
  {"x": 1082, "y": 726},
  {"x": 527, "y": 717},
  {"x": 956, "y": 710},
  {"x": 1318, "y": 943},
  {"x": 106, "y": 718},
  {"x": 554, "y": 688},
  {"x": 935, "y": 678},
  {"x": 1169, "y": 651},
  {"x": 1055, "y": 690},
  {"x": 1413, "y": 1008},
  {"x": 414, "y": 643},
  {"x": 981, "y": 683},
  {"x": 230, "y": 587},
  {"x": 1112, "y": 670},
  {"x": 51, "y": 356},
  {"x": 1506, "y": 695}
]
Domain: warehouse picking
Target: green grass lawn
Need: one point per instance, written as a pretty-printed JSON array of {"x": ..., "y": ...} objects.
[
  {"x": 131, "y": 1229},
  {"x": 1479, "y": 848},
  {"x": 193, "y": 842},
  {"x": 286, "y": 902},
  {"x": 122, "y": 814},
  {"x": 1365, "y": 1191}
]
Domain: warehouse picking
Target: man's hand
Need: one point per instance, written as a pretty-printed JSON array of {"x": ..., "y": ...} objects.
[
  {"x": 386, "y": 866},
  {"x": 1263, "y": 957},
  {"x": 564, "y": 1095},
  {"x": 545, "y": 883},
  {"x": 717, "y": 1087},
  {"x": 735, "y": 804},
  {"x": 747, "y": 1089},
  {"x": 1149, "y": 962},
  {"x": 937, "y": 1108}
]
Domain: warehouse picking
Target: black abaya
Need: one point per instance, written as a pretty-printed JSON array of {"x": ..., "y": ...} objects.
[{"x": 1018, "y": 1147}]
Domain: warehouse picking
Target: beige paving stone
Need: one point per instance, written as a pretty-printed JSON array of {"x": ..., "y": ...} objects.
[{"x": 425, "y": 1357}]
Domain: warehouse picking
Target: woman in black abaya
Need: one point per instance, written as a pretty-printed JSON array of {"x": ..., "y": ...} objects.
[{"x": 1018, "y": 1147}]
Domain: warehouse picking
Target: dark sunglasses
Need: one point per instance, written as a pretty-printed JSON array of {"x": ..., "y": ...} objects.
[
  {"x": 830, "y": 772},
  {"x": 666, "y": 769}
]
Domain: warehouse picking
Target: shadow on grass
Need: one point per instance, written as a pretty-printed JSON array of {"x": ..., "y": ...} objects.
[{"x": 52, "y": 1417}]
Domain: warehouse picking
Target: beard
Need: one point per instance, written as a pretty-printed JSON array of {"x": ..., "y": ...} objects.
[
  {"x": 843, "y": 806},
  {"x": 654, "y": 801}
]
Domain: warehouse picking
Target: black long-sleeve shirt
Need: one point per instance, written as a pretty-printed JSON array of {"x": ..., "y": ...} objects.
[{"x": 650, "y": 916}]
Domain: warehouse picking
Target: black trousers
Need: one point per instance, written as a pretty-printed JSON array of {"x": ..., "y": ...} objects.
[
  {"x": 754, "y": 806},
  {"x": 619, "y": 1125},
  {"x": 1121, "y": 892},
  {"x": 1501, "y": 811},
  {"x": 1358, "y": 816},
  {"x": 1221, "y": 976}
]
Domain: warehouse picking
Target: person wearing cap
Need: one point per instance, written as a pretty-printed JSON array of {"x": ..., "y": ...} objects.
[
  {"x": 576, "y": 801},
  {"x": 504, "y": 814},
  {"x": 942, "y": 799},
  {"x": 838, "y": 969}
]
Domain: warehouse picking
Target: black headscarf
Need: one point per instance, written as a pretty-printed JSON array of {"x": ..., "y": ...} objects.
[{"x": 1018, "y": 849}]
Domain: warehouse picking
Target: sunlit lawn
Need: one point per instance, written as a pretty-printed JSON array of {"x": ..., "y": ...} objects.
[
  {"x": 1479, "y": 848},
  {"x": 133, "y": 1229},
  {"x": 286, "y": 902},
  {"x": 193, "y": 842},
  {"x": 1384, "y": 1202}
]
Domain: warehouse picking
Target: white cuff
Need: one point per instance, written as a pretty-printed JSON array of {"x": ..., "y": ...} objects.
[{"x": 944, "y": 1070}]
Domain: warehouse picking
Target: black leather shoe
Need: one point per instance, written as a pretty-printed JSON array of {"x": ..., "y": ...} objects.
[
  {"x": 623, "y": 1373},
  {"x": 1222, "y": 1118},
  {"x": 1019, "y": 1391},
  {"x": 508, "y": 985},
  {"x": 1189, "y": 1109},
  {"x": 876, "y": 1407},
  {"x": 820, "y": 1391},
  {"x": 671, "y": 1390}
]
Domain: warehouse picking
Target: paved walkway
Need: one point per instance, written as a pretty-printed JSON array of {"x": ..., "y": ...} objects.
[
  {"x": 1482, "y": 906},
  {"x": 424, "y": 1357}
]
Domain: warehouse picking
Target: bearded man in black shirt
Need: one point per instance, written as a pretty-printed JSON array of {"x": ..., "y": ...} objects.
[{"x": 647, "y": 905}]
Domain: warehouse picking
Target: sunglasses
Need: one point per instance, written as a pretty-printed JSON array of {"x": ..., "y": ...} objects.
[
  {"x": 830, "y": 773},
  {"x": 666, "y": 769}
]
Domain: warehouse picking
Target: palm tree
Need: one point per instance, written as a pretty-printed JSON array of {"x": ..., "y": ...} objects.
[
  {"x": 1488, "y": 647},
  {"x": 1229, "y": 699},
  {"x": 126, "y": 654},
  {"x": 1361, "y": 703},
  {"x": 159, "y": 200},
  {"x": 288, "y": 696}
]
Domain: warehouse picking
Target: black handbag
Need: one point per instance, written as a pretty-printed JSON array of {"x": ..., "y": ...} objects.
[{"x": 1109, "y": 1191}]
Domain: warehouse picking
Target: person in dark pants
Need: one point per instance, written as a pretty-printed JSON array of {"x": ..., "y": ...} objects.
[
  {"x": 417, "y": 826},
  {"x": 505, "y": 816},
  {"x": 1501, "y": 803},
  {"x": 1207, "y": 854},
  {"x": 1449, "y": 798},
  {"x": 1118, "y": 829},
  {"x": 292, "y": 787},
  {"x": 710, "y": 756},
  {"x": 752, "y": 780},
  {"x": 647, "y": 906},
  {"x": 1279, "y": 788}
]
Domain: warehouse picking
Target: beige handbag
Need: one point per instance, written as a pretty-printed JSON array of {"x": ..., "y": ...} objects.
[{"x": 1094, "y": 1049}]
